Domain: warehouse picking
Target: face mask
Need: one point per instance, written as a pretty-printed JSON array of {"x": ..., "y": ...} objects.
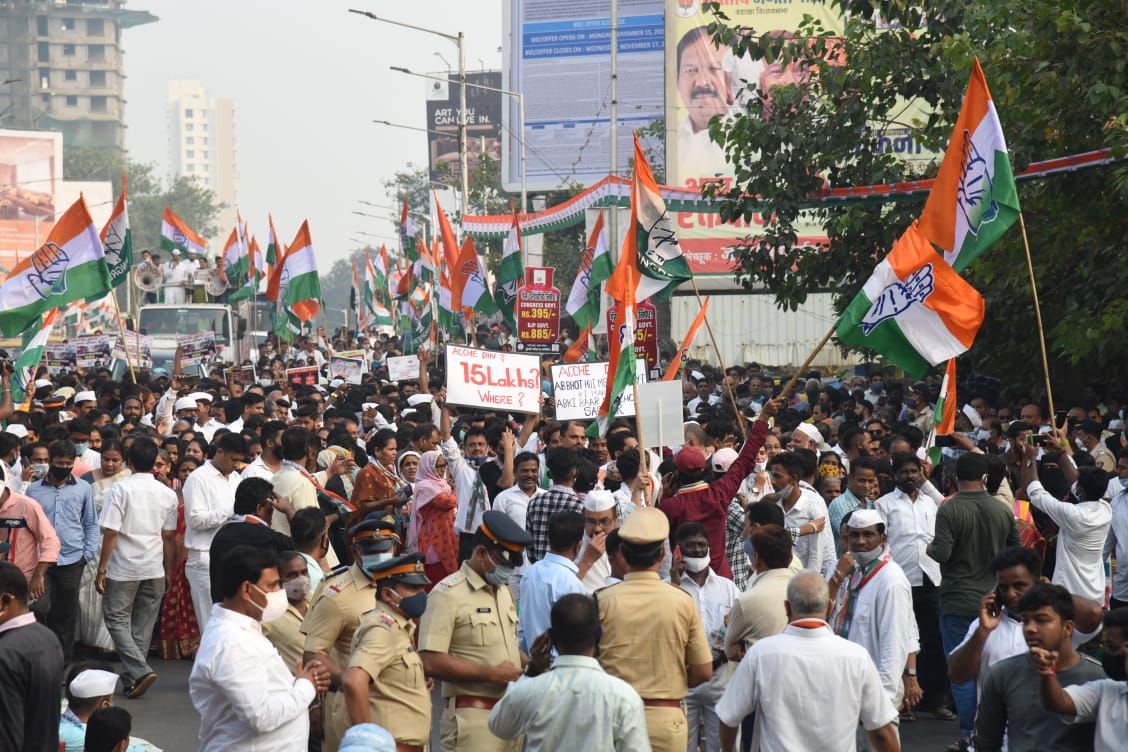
[
  {"x": 696, "y": 564},
  {"x": 1075, "y": 490},
  {"x": 298, "y": 588},
  {"x": 865, "y": 558},
  {"x": 191, "y": 421},
  {"x": 1113, "y": 665},
  {"x": 1080, "y": 444},
  {"x": 477, "y": 461},
  {"x": 907, "y": 487},
  {"x": 80, "y": 448},
  {"x": 354, "y": 472},
  {"x": 58, "y": 473},
  {"x": 982, "y": 435},
  {"x": 413, "y": 606},
  {"x": 1124, "y": 483},
  {"x": 40, "y": 469},
  {"x": 785, "y": 492},
  {"x": 759, "y": 467},
  {"x": 499, "y": 576},
  {"x": 371, "y": 560},
  {"x": 276, "y": 604}
]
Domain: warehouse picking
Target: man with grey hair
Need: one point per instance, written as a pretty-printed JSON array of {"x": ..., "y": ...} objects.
[{"x": 807, "y": 659}]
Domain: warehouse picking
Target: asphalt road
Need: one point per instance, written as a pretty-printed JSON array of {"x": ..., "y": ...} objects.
[{"x": 165, "y": 716}]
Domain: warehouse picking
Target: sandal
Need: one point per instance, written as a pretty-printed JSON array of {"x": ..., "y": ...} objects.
[{"x": 908, "y": 716}]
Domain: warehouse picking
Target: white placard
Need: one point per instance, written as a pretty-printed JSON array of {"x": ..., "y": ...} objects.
[
  {"x": 350, "y": 369},
  {"x": 661, "y": 415},
  {"x": 578, "y": 389},
  {"x": 403, "y": 368},
  {"x": 503, "y": 381}
]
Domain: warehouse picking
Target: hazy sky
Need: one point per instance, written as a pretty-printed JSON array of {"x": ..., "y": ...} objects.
[{"x": 307, "y": 78}]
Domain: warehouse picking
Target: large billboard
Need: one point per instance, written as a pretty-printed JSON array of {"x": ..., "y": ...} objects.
[
  {"x": 559, "y": 56},
  {"x": 31, "y": 173},
  {"x": 483, "y": 122},
  {"x": 703, "y": 81}
]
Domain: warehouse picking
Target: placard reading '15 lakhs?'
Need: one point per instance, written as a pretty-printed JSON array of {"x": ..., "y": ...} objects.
[{"x": 491, "y": 379}]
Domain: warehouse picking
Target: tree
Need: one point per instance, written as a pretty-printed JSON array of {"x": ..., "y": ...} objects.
[
  {"x": 148, "y": 195},
  {"x": 1058, "y": 80}
]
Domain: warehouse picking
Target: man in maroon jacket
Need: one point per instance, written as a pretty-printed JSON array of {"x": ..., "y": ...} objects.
[{"x": 686, "y": 497}]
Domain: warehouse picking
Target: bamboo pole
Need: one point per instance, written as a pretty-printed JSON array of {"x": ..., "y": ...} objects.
[
  {"x": 124, "y": 339},
  {"x": 806, "y": 364},
  {"x": 721, "y": 360},
  {"x": 1037, "y": 314}
]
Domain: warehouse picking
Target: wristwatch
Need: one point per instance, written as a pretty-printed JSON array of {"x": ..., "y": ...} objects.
[{"x": 910, "y": 672}]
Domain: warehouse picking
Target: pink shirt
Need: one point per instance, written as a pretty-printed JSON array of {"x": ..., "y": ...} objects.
[{"x": 27, "y": 529}]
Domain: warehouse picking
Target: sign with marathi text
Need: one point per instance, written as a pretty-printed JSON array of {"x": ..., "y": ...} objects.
[{"x": 492, "y": 379}]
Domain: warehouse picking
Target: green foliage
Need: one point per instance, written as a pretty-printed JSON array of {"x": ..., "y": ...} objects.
[
  {"x": 1056, "y": 69},
  {"x": 148, "y": 195}
]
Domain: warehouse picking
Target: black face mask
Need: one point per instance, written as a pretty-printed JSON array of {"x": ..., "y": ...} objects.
[
  {"x": 1113, "y": 664},
  {"x": 58, "y": 473}
]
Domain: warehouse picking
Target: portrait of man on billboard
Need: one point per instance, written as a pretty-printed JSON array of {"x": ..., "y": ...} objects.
[{"x": 705, "y": 86}]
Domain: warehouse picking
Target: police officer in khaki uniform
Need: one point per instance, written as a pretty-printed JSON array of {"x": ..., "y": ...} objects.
[
  {"x": 653, "y": 637},
  {"x": 468, "y": 636},
  {"x": 384, "y": 682},
  {"x": 337, "y": 606}
]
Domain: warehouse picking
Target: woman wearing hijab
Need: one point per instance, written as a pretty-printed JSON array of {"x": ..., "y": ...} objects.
[{"x": 431, "y": 531}]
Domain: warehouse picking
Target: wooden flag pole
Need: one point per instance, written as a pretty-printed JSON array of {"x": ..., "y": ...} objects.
[
  {"x": 1037, "y": 314},
  {"x": 807, "y": 363},
  {"x": 642, "y": 456},
  {"x": 721, "y": 360},
  {"x": 124, "y": 339}
]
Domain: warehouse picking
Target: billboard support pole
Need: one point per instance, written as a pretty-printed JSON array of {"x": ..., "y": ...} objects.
[
  {"x": 614, "y": 145},
  {"x": 463, "y": 160}
]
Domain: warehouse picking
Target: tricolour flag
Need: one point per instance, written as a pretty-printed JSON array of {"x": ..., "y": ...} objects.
[
  {"x": 683, "y": 351},
  {"x": 944, "y": 418},
  {"x": 303, "y": 286},
  {"x": 117, "y": 240},
  {"x": 446, "y": 233},
  {"x": 256, "y": 268},
  {"x": 70, "y": 266},
  {"x": 233, "y": 265},
  {"x": 32, "y": 355},
  {"x": 469, "y": 288},
  {"x": 407, "y": 235},
  {"x": 376, "y": 291},
  {"x": 595, "y": 267},
  {"x": 651, "y": 245},
  {"x": 622, "y": 368},
  {"x": 177, "y": 235},
  {"x": 511, "y": 274},
  {"x": 974, "y": 199},
  {"x": 274, "y": 250},
  {"x": 914, "y": 310}
]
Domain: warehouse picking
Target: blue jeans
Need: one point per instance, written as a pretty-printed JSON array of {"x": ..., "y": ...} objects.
[{"x": 953, "y": 629}]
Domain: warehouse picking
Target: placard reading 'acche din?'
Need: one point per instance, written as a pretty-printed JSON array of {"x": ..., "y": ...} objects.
[
  {"x": 491, "y": 379},
  {"x": 579, "y": 387}
]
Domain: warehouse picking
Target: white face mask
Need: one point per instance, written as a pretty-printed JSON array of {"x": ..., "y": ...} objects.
[
  {"x": 696, "y": 564},
  {"x": 276, "y": 604},
  {"x": 865, "y": 558}
]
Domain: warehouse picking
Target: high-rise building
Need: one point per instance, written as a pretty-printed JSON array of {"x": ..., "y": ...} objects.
[
  {"x": 201, "y": 143},
  {"x": 62, "y": 68}
]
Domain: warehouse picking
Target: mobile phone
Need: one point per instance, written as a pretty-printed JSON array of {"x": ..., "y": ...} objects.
[
  {"x": 1060, "y": 418},
  {"x": 996, "y": 608},
  {"x": 1036, "y": 439},
  {"x": 945, "y": 440}
]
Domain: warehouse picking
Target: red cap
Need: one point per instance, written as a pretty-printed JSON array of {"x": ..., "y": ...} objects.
[{"x": 689, "y": 459}]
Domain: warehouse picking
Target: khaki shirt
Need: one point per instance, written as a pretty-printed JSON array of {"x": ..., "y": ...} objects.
[
  {"x": 398, "y": 698},
  {"x": 335, "y": 614},
  {"x": 651, "y": 632},
  {"x": 285, "y": 633},
  {"x": 468, "y": 619}
]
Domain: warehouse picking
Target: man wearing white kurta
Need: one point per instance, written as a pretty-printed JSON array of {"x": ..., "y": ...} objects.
[
  {"x": 175, "y": 278},
  {"x": 874, "y": 608},
  {"x": 209, "y": 500},
  {"x": 807, "y": 660}
]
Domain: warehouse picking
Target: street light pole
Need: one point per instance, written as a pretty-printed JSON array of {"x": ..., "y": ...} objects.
[
  {"x": 460, "y": 41},
  {"x": 521, "y": 125}
]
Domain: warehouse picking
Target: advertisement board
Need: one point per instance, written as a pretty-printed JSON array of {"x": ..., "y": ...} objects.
[
  {"x": 558, "y": 56},
  {"x": 31, "y": 172},
  {"x": 703, "y": 81},
  {"x": 483, "y": 122}
]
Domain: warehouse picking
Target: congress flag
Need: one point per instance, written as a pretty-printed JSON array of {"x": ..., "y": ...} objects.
[
  {"x": 469, "y": 288},
  {"x": 622, "y": 368},
  {"x": 595, "y": 267},
  {"x": 651, "y": 246},
  {"x": 32, "y": 355},
  {"x": 974, "y": 199},
  {"x": 914, "y": 310},
  {"x": 117, "y": 240},
  {"x": 511, "y": 274},
  {"x": 177, "y": 235},
  {"x": 70, "y": 266}
]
